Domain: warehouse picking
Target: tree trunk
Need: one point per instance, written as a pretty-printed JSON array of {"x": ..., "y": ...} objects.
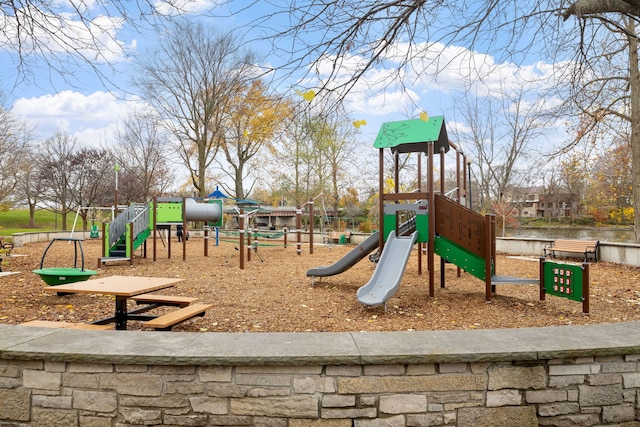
[{"x": 634, "y": 84}]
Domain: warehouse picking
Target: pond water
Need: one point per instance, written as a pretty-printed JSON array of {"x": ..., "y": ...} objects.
[{"x": 614, "y": 235}]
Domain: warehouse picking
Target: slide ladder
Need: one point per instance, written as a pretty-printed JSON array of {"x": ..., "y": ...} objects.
[{"x": 127, "y": 232}]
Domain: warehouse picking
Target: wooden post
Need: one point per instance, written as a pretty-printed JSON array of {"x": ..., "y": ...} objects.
[
  {"x": 487, "y": 257},
  {"x": 432, "y": 224},
  {"x": 311, "y": 220},
  {"x": 298, "y": 232},
  {"x": 381, "y": 200},
  {"x": 155, "y": 226},
  {"x": 241, "y": 232},
  {"x": 184, "y": 228},
  {"x": 585, "y": 287}
]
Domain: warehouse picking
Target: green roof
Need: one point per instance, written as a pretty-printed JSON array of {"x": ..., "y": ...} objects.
[{"x": 409, "y": 136}]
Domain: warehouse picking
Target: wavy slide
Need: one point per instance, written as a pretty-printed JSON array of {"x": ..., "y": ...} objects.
[{"x": 388, "y": 274}]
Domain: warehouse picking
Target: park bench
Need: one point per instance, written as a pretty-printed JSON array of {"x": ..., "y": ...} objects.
[
  {"x": 584, "y": 247},
  {"x": 66, "y": 325},
  {"x": 335, "y": 236},
  {"x": 5, "y": 247},
  {"x": 167, "y": 321}
]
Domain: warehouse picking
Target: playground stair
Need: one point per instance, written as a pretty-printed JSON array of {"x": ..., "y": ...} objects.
[{"x": 126, "y": 233}]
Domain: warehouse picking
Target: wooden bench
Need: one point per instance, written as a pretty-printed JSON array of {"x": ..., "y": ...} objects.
[
  {"x": 334, "y": 237},
  {"x": 584, "y": 247},
  {"x": 167, "y": 321},
  {"x": 66, "y": 325}
]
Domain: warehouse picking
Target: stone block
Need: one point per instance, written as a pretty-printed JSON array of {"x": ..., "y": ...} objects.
[
  {"x": 411, "y": 384},
  {"x": 295, "y": 407},
  {"x": 141, "y": 416},
  {"x": 310, "y": 385},
  {"x": 344, "y": 371},
  {"x": 350, "y": 413},
  {"x": 80, "y": 380},
  {"x": 91, "y": 421},
  {"x": 631, "y": 380},
  {"x": 214, "y": 373},
  {"x": 504, "y": 398},
  {"x": 558, "y": 408},
  {"x": 61, "y": 402},
  {"x": 41, "y": 380},
  {"x": 184, "y": 387},
  {"x": 397, "y": 421},
  {"x": 185, "y": 420},
  {"x": 263, "y": 380},
  {"x": 452, "y": 368},
  {"x": 98, "y": 401},
  {"x": 618, "y": 413},
  {"x": 522, "y": 377},
  {"x": 421, "y": 369},
  {"x": 90, "y": 367},
  {"x": 384, "y": 370},
  {"x": 507, "y": 416},
  {"x": 403, "y": 404},
  {"x": 133, "y": 384},
  {"x": 338, "y": 401},
  {"x": 545, "y": 396},
  {"x": 209, "y": 405},
  {"x": 320, "y": 423},
  {"x": 600, "y": 395},
  {"x": 570, "y": 370},
  {"x": 16, "y": 405},
  {"x": 424, "y": 420},
  {"x": 54, "y": 417},
  {"x": 618, "y": 367}
]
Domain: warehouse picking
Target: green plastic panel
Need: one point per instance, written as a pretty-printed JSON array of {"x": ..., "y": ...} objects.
[
  {"x": 455, "y": 254},
  {"x": 563, "y": 280},
  {"x": 410, "y": 136},
  {"x": 169, "y": 211}
]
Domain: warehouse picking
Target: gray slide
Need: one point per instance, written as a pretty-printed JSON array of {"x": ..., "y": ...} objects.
[
  {"x": 349, "y": 260},
  {"x": 388, "y": 274}
]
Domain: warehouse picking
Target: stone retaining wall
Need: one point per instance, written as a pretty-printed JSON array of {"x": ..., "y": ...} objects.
[{"x": 566, "y": 376}]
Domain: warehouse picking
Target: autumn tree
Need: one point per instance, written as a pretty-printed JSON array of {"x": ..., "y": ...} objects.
[
  {"x": 251, "y": 123},
  {"x": 191, "y": 81}
]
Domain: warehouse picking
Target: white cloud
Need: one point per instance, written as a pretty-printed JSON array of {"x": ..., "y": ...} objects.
[
  {"x": 180, "y": 7},
  {"x": 92, "y": 118}
]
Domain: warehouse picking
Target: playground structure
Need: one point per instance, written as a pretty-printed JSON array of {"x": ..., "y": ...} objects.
[
  {"x": 132, "y": 227},
  {"x": 54, "y": 276},
  {"x": 448, "y": 228}
]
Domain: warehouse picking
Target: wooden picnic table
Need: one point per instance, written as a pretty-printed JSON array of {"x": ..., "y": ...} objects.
[{"x": 123, "y": 288}]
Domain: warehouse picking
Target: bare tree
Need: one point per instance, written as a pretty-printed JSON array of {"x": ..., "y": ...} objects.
[
  {"x": 91, "y": 170},
  {"x": 14, "y": 145},
  {"x": 55, "y": 156},
  {"x": 142, "y": 152},
  {"x": 190, "y": 81},
  {"x": 503, "y": 129}
]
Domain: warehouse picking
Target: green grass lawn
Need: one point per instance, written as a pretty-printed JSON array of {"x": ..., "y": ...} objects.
[{"x": 17, "y": 221}]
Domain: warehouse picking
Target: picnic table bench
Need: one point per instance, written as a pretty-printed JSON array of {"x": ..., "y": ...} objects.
[
  {"x": 66, "y": 325},
  {"x": 584, "y": 247},
  {"x": 167, "y": 321}
]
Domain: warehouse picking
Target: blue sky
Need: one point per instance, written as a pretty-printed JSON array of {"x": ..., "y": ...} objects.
[{"x": 81, "y": 105}]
